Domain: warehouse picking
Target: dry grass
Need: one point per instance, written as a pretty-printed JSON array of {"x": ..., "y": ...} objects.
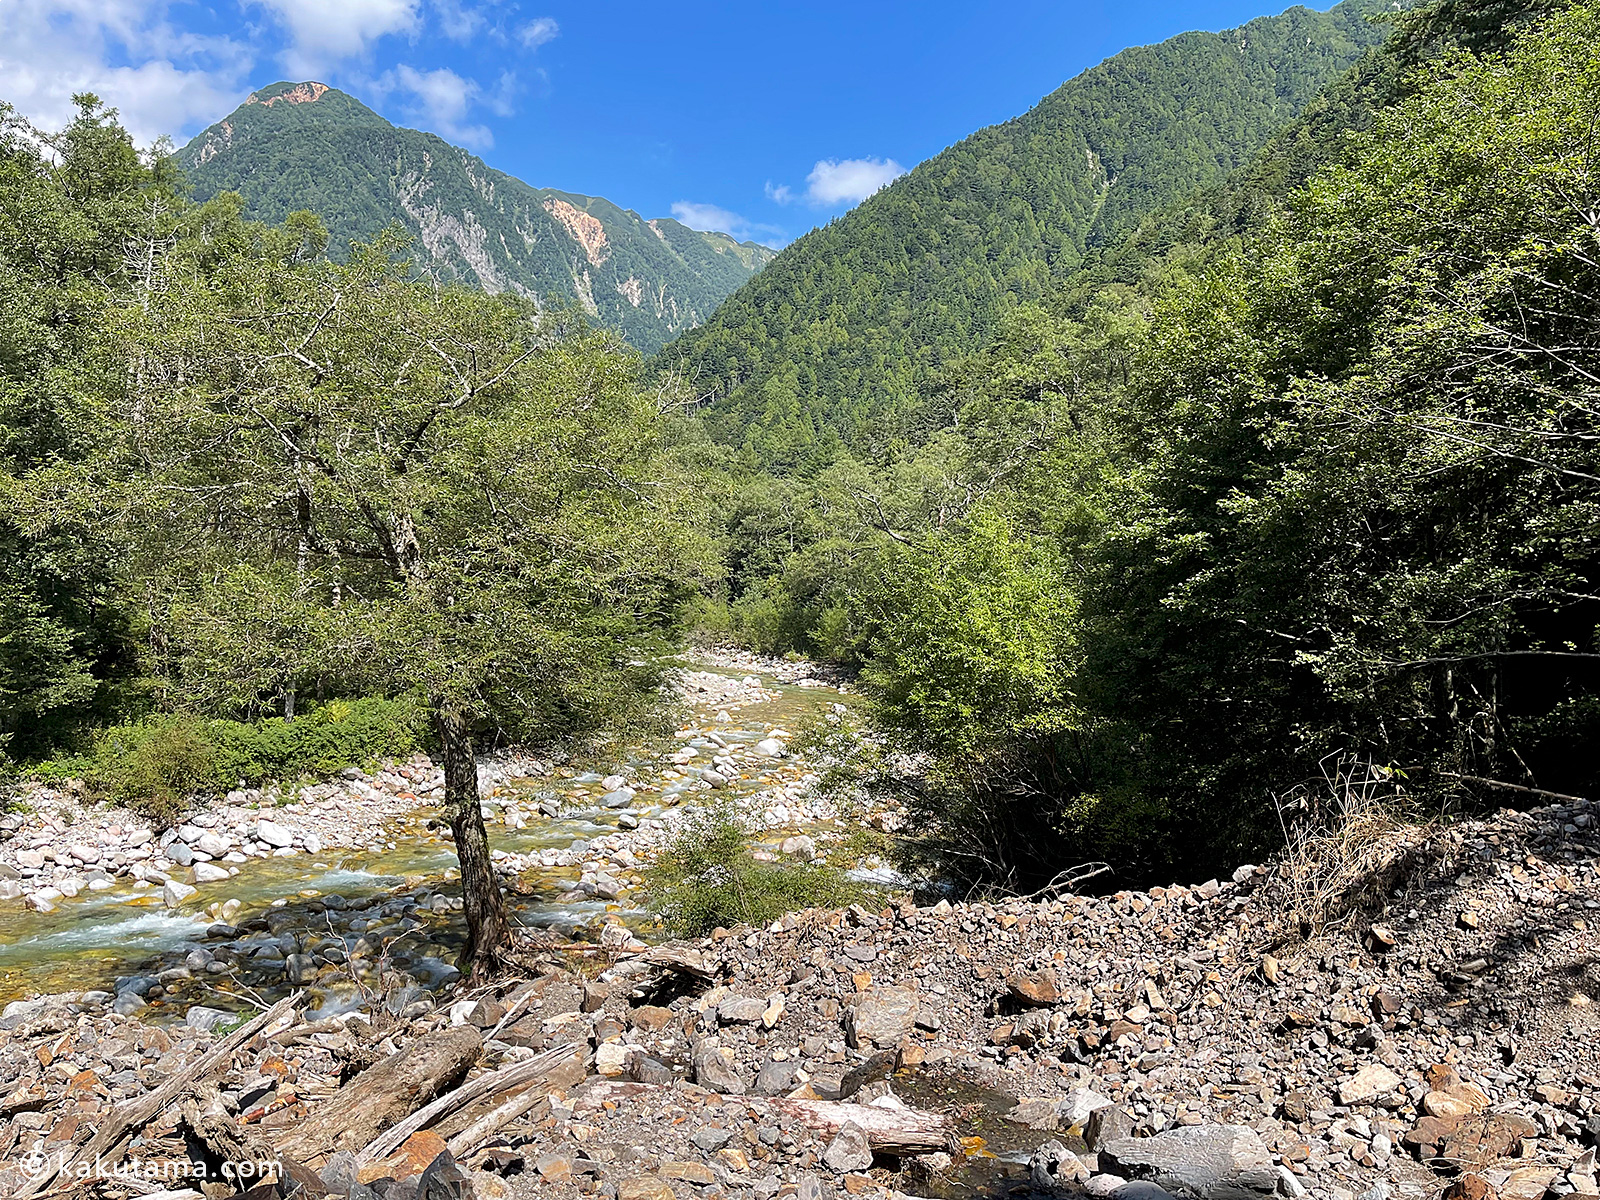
[{"x": 1347, "y": 838}]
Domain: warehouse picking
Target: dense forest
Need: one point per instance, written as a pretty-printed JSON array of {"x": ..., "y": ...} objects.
[
  {"x": 1231, "y": 521},
  {"x": 837, "y": 336},
  {"x": 1286, "y": 486}
]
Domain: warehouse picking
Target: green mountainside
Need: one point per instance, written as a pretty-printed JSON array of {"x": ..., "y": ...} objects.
[
  {"x": 306, "y": 146},
  {"x": 847, "y": 322}
]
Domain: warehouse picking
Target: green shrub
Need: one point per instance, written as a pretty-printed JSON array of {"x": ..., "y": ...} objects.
[
  {"x": 705, "y": 876},
  {"x": 153, "y": 766}
]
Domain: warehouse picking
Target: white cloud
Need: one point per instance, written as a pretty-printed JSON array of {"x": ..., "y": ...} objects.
[
  {"x": 326, "y": 31},
  {"x": 165, "y": 81},
  {"x": 539, "y": 31},
  {"x": 440, "y": 101},
  {"x": 849, "y": 180},
  {"x": 835, "y": 181},
  {"x": 457, "y": 21},
  {"x": 721, "y": 220}
]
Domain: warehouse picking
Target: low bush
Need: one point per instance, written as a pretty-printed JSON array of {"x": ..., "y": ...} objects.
[
  {"x": 706, "y": 876},
  {"x": 153, "y": 766}
]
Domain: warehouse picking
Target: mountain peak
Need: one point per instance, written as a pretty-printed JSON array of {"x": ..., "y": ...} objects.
[
  {"x": 322, "y": 149},
  {"x": 308, "y": 92}
]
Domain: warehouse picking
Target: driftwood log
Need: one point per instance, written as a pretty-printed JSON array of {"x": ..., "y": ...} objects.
[
  {"x": 130, "y": 1115},
  {"x": 383, "y": 1095},
  {"x": 521, "y": 1074},
  {"x": 890, "y": 1126}
]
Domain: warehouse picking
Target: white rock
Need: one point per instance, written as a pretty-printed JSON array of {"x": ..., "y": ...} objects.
[
  {"x": 175, "y": 893},
  {"x": 209, "y": 873},
  {"x": 274, "y": 834}
]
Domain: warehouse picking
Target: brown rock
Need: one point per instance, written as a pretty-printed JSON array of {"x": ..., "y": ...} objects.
[
  {"x": 1528, "y": 1183},
  {"x": 1428, "y": 1134},
  {"x": 645, "y": 1187},
  {"x": 1469, "y": 1187},
  {"x": 650, "y": 1017},
  {"x": 1036, "y": 988},
  {"x": 1478, "y": 1140},
  {"x": 1371, "y": 1083},
  {"x": 689, "y": 1172}
]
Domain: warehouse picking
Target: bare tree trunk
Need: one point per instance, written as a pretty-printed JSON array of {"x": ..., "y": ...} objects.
[{"x": 487, "y": 931}]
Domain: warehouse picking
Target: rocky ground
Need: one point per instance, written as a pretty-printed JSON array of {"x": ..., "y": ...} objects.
[{"x": 1443, "y": 1034}]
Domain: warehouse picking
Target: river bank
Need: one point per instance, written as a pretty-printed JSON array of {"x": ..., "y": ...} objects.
[
  {"x": 94, "y": 899},
  {"x": 1446, "y": 1031}
]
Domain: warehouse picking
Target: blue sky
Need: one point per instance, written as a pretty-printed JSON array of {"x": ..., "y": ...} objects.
[{"x": 760, "y": 119}]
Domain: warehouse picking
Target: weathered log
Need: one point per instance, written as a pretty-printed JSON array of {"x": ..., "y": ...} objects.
[
  {"x": 521, "y": 1073},
  {"x": 890, "y": 1126},
  {"x": 383, "y": 1095},
  {"x": 135, "y": 1113}
]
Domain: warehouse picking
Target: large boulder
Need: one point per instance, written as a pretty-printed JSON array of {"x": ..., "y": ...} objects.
[
  {"x": 1214, "y": 1162},
  {"x": 881, "y": 1017},
  {"x": 274, "y": 834}
]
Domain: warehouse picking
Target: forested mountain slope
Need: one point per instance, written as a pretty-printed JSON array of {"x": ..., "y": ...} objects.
[
  {"x": 306, "y": 146},
  {"x": 847, "y": 321}
]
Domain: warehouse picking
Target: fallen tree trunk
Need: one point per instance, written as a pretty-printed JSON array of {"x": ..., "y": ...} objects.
[
  {"x": 136, "y": 1113},
  {"x": 522, "y": 1073},
  {"x": 890, "y": 1126},
  {"x": 383, "y": 1095}
]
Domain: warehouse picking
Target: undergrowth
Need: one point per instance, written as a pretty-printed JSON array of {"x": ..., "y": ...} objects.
[
  {"x": 706, "y": 877},
  {"x": 153, "y": 766}
]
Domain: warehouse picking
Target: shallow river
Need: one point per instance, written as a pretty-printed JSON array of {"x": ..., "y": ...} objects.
[{"x": 405, "y": 896}]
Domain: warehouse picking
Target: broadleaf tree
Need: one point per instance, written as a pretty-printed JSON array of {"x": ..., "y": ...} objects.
[{"x": 444, "y": 493}]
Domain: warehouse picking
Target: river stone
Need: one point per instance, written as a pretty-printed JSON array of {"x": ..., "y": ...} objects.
[
  {"x": 711, "y": 1138},
  {"x": 618, "y": 798},
  {"x": 127, "y": 1004},
  {"x": 771, "y": 747},
  {"x": 714, "y": 1069},
  {"x": 209, "y": 873},
  {"x": 882, "y": 1017},
  {"x": 10, "y": 889},
  {"x": 1079, "y": 1105},
  {"x": 800, "y": 845},
  {"x": 776, "y": 1079},
  {"x": 299, "y": 968},
  {"x": 1214, "y": 1162},
  {"x": 205, "y": 1019},
  {"x": 179, "y": 853},
  {"x": 849, "y": 1150},
  {"x": 45, "y": 900},
  {"x": 273, "y": 834},
  {"x": 1053, "y": 1166},
  {"x": 174, "y": 893},
  {"x": 741, "y": 1010},
  {"x": 214, "y": 844},
  {"x": 1107, "y": 1124},
  {"x": 1373, "y": 1082}
]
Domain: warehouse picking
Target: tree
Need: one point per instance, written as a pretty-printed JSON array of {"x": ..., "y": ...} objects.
[{"x": 452, "y": 494}]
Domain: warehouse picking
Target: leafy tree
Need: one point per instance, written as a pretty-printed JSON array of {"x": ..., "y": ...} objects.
[
  {"x": 440, "y": 492},
  {"x": 75, "y": 209}
]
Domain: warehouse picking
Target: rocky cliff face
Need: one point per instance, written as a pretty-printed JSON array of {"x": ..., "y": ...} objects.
[{"x": 304, "y": 145}]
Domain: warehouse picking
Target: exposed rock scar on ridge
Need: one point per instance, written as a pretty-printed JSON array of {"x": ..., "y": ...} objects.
[
  {"x": 305, "y": 93},
  {"x": 585, "y": 229},
  {"x": 655, "y": 228},
  {"x": 633, "y": 289}
]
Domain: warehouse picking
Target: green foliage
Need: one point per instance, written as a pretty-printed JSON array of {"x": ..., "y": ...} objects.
[
  {"x": 293, "y": 147},
  {"x": 156, "y": 765},
  {"x": 832, "y": 341},
  {"x": 74, "y": 207},
  {"x": 705, "y": 877}
]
